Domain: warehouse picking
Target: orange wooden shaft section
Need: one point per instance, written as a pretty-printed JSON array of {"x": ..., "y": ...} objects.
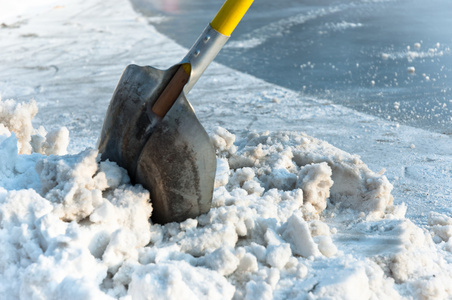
[{"x": 172, "y": 91}]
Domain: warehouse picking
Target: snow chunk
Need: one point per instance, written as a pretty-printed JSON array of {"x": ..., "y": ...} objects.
[
  {"x": 248, "y": 263},
  {"x": 278, "y": 255},
  {"x": 298, "y": 234},
  {"x": 413, "y": 263},
  {"x": 222, "y": 173},
  {"x": 315, "y": 181},
  {"x": 178, "y": 280},
  {"x": 441, "y": 226},
  {"x": 69, "y": 183},
  {"x": 223, "y": 261},
  {"x": 326, "y": 246},
  {"x": 54, "y": 142},
  {"x": 352, "y": 282},
  {"x": 223, "y": 140},
  {"x": 258, "y": 291},
  {"x": 17, "y": 118}
]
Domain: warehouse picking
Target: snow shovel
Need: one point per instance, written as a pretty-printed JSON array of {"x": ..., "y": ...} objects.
[{"x": 151, "y": 130}]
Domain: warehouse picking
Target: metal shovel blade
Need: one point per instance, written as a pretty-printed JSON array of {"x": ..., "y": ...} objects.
[{"x": 172, "y": 156}]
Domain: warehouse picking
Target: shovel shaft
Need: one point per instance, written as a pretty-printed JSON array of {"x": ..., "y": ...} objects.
[
  {"x": 172, "y": 91},
  {"x": 202, "y": 53},
  {"x": 229, "y": 16},
  {"x": 213, "y": 38}
]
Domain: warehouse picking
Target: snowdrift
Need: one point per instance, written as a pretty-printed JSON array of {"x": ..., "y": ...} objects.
[{"x": 292, "y": 217}]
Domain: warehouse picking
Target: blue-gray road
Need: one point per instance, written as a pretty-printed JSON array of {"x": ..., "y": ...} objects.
[{"x": 389, "y": 58}]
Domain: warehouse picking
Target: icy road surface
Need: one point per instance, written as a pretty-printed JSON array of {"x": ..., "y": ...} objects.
[{"x": 390, "y": 59}]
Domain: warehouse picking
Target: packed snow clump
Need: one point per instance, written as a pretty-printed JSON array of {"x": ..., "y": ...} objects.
[
  {"x": 441, "y": 228},
  {"x": 292, "y": 218},
  {"x": 17, "y": 117}
]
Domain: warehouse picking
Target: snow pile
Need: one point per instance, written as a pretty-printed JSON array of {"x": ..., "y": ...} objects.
[
  {"x": 292, "y": 217},
  {"x": 290, "y": 161}
]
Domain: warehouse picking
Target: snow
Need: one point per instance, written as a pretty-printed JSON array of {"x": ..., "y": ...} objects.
[
  {"x": 293, "y": 217},
  {"x": 15, "y": 10},
  {"x": 331, "y": 27}
]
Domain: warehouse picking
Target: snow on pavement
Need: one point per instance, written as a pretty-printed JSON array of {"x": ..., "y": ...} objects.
[{"x": 293, "y": 217}]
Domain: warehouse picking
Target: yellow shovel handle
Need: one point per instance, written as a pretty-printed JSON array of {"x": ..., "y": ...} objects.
[{"x": 230, "y": 15}]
